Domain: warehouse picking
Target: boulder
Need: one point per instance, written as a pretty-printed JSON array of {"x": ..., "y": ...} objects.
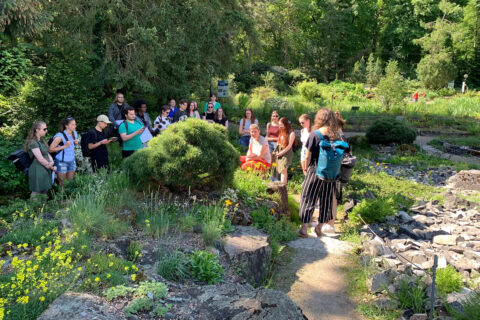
[
  {"x": 465, "y": 180},
  {"x": 237, "y": 302},
  {"x": 419, "y": 316},
  {"x": 404, "y": 217},
  {"x": 376, "y": 247},
  {"x": 248, "y": 248},
  {"x": 80, "y": 306},
  {"x": 380, "y": 281}
]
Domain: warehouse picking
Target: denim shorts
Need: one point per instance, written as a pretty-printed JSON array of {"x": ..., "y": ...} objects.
[{"x": 65, "y": 166}]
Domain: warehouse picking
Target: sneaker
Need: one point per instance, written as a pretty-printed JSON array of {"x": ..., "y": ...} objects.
[{"x": 326, "y": 228}]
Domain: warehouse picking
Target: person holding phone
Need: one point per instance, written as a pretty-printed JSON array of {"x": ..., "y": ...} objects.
[
  {"x": 130, "y": 131},
  {"x": 97, "y": 143}
]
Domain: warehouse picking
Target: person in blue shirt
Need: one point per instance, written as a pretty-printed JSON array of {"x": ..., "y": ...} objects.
[
  {"x": 172, "y": 103},
  {"x": 63, "y": 146}
]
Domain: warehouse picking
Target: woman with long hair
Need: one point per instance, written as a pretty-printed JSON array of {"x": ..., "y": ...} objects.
[
  {"x": 40, "y": 171},
  {"x": 283, "y": 151},
  {"x": 306, "y": 123},
  {"x": 210, "y": 113},
  {"x": 244, "y": 127},
  {"x": 192, "y": 110},
  {"x": 221, "y": 118},
  {"x": 63, "y": 145},
  {"x": 272, "y": 130},
  {"x": 315, "y": 189}
]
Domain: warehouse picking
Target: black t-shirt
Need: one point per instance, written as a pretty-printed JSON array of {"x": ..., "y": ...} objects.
[
  {"x": 210, "y": 116},
  {"x": 313, "y": 145},
  {"x": 100, "y": 153},
  {"x": 180, "y": 115},
  {"x": 221, "y": 121}
]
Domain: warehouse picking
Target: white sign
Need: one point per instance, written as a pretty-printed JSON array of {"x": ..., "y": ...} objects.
[
  {"x": 451, "y": 85},
  {"x": 146, "y": 135},
  {"x": 222, "y": 88}
]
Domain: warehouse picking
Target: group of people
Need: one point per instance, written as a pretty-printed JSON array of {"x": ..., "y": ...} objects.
[
  {"x": 127, "y": 125},
  {"x": 275, "y": 152}
]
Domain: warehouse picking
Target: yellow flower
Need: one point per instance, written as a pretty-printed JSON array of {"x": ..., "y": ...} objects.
[
  {"x": 291, "y": 169},
  {"x": 110, "y": 255},
  {"x": 228, "y": 202},
  {"x": 147, "y": 221},
  {"x": 9, "y": 243},
  {"x": 108, "y": 275},
  {"x": 133, "y": 277},
  {"x": 42, "y": 298},
  {"x": 273, "y": 210},
  {"x": 23, "y": 300},
  {"x": 97, "y": 279},
  {"x": 110, "y": 264},
  {"x": 386, "y": 167},
  {"x": 248, "y": 169},
  {"x": 126, "y": 268},
  {"x": 274, "y": 164},
  {"x": 79, "y": 268}
]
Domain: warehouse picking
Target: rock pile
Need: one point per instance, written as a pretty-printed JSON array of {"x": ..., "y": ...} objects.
[{"x": 449, "y": 231}]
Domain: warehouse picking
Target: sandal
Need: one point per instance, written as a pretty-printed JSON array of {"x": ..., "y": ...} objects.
[
  {"x": 301, "y": 234},
  {"x": 319, "y": 233}
]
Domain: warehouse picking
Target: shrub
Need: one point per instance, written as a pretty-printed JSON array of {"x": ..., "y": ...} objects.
[
  {"x": 372, "y": 210},
  {"x": 391, "y": 87},
  {"x": 205, "y": 267},
  {"x": 435, "y": 70},
  {"x": 471, "y": 308},
  {"x": 386, "y": 131},
  {"x": 211, "y": 231},
  {"x": 448, "y": 280},
  {"x": 193, "y": 153},
  {"x": 308, "y": 89}
]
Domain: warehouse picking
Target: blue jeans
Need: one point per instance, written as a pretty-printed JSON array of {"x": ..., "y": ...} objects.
[
  {"x": 272, "y": 145},
  {"x": 244, "y": 141}
]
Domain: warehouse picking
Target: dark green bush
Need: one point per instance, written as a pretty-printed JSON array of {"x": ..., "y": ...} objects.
[
  {"x": 386, "y": 131},
  {"x": 193, "y": 153}
]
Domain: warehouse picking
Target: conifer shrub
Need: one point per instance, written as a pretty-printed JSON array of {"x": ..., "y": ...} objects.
[
  {"x": 188, "y": 154},
  {"x": 387, "y": 131}
]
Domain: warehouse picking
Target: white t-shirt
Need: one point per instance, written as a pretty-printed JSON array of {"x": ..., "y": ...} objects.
[
  {"x": 257, "y": 148},
  {"x": 248, "y": 122},
  {"x": 303, "y": 138}
]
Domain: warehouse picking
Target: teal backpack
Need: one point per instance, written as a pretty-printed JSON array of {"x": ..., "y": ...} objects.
[{"x": 330, "y": 157}]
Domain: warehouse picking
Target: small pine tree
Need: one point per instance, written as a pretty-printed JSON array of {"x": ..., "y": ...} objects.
[
  {"x": 374, "y": 70},
  {"x": 391, "y": 87},
  {"x": 359, "y": 72},
  {"x": 434, "y": 71}
]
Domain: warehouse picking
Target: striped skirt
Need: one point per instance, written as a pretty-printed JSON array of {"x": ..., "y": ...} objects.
[{"x": 313, "y": 190}]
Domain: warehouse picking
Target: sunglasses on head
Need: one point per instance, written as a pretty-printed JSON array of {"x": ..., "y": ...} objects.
[{"x": 69, "y": 119}]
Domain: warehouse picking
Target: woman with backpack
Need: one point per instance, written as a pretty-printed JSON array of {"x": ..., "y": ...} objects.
[
  {"x": 284, "y": 150},
  {"x": 62, "y": 146},
  {"x": 323, "y": 157},
  {"x": 40, "y": 170}
]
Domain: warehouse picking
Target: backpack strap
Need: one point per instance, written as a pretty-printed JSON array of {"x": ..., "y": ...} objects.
[{"x": 66, "y": 139}]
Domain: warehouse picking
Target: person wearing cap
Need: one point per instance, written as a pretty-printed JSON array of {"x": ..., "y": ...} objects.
[{"x": 97, "y": 143}]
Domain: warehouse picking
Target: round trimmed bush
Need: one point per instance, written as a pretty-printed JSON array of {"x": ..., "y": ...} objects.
[
  {"x": 188, "y": 154},
  {"x": 387, "y": 131}
]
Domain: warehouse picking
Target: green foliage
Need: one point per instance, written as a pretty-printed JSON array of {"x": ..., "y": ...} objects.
[
  {"x": 359, "y": 71},
  {"x": 411, "y": 296},
  {"x": 211, "y": 232},
  {"x": 173, "y": 266},
  {"x": 205, "y": 267},
  {"x": 387, "y": 131},
  {"x": 471, "y": 307},
  {"x": 448, "y": 280},
  {"x": 13, "y": 70},
  {"x": 137, "y": 305},
  {"x": 374, "y": 70},
  {"x": 391, "y": 87},
  {"x": 308, "y": 89},
  {"x": 189, "y": 154},
  {"x": 435, "y": 70},
  {"x": 249, "y": 185},
  {"x": 31, "y": 232},
  {"x": 117, "y": 292},
  {"x": 372, "y": 312},
  {"x": 372, "y": 210},
  {"x": 103, "y": 263},
  {"x": 134, "y": 251},
  {"x": 11, "y": 180}
]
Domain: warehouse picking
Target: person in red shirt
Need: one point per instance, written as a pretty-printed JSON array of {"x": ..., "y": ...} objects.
[{"x": 415, "y": 96}]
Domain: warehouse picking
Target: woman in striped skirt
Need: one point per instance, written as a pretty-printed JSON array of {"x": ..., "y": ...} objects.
[{"x": 314, "y": 188}]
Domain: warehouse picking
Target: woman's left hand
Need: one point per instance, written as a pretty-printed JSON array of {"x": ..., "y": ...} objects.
[{"x": 75, "y": 141}]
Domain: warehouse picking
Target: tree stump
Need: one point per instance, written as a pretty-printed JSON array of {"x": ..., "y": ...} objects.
[{"x": 279, "y": 187}]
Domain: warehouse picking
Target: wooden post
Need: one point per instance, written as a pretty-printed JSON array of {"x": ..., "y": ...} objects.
[{"x": 279, "y": 187}]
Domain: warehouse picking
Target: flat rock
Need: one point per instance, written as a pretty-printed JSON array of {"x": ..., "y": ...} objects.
[
  {"x": 80, "y": 306},
  {"x": 249, "y": 249},
  {"x": 465, "y": 180},
  {"x": 323, "y": 245},
  {"x": 380, "y": 281},
  {"x": 445, "y": 239}
]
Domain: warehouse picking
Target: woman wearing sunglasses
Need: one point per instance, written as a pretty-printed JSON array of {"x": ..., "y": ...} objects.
[
  {"x": 40, "y": 171},
  {"x": 63, "y": 146},
  {"x": 210, "y": 114}
]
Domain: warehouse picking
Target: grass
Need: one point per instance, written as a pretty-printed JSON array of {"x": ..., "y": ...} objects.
[
  {"x": 471, "y": 308},
  {"x": 411, "y": 296},
  {"x": 372, "y": 312},
  {"x": 173, "y": 266},
  {"x": 30, "y": 232}
]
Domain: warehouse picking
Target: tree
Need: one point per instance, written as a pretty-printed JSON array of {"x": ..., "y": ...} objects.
[
  {"x": 359, "y": 72},
  {"x": 391, "y": 87},
  {"x": 13, "y": 70},
  {"x": 434, "y": 71},
  {"x": 374, "y": 70}
]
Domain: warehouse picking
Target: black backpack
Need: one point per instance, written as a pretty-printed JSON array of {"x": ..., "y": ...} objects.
[
  {"x": 86, "y": 152},
  {"x": 21, "y": 160},
  {"x": 54, "y": 154}
]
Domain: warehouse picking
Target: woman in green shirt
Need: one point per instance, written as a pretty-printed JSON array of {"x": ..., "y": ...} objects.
[
  {"x": 40, "y": 171},
  {"x": 213, "y": 100},
  {"x": 192, "y": 110}
]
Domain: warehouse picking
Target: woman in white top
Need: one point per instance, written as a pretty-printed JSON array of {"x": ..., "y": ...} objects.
[
  {"x": 244, "y": 127},
  {"x": 306, "y": 123},
  {"x": 258, "y": 156}
]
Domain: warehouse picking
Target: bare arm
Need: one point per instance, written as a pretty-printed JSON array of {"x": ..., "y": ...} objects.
[
  {"x": 38, "y": 155},
  {"x": 54, "y": 146},
  {"x": 226, "y": 124},
  {"x": 291, "y": 140}
]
